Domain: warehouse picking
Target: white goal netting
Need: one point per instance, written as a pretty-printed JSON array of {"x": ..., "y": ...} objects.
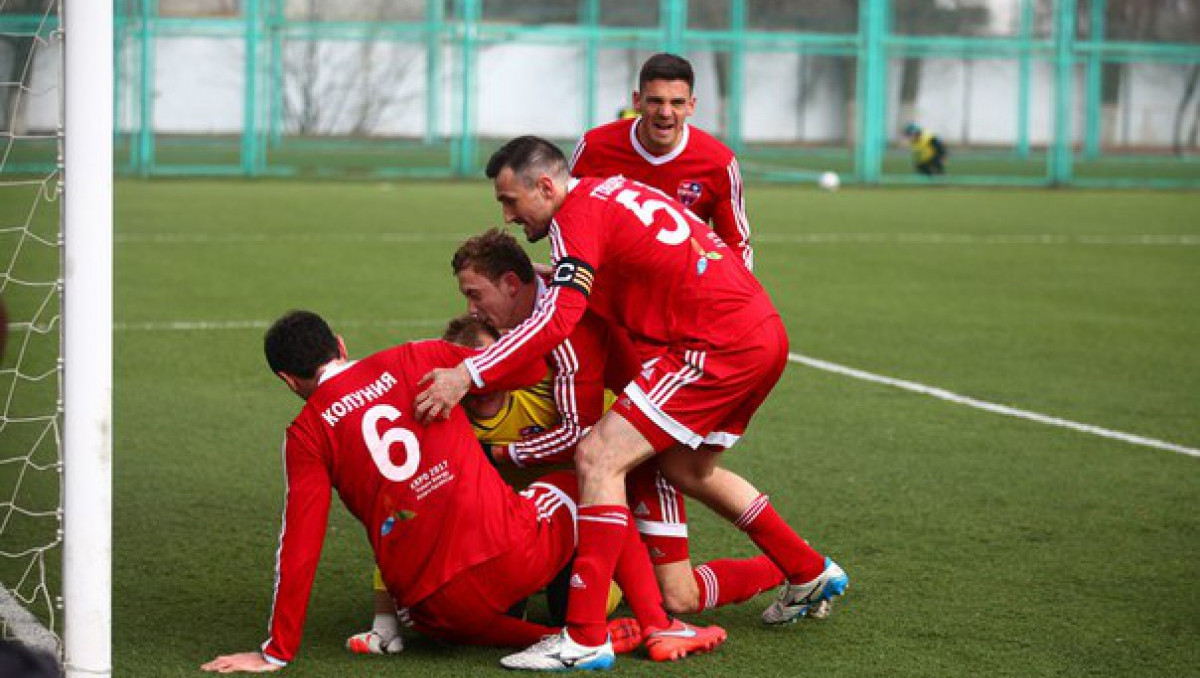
[{"x": 31, "y": 534}]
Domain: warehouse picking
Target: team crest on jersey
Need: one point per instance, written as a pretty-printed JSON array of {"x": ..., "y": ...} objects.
[{"x": 689, "y": 192}]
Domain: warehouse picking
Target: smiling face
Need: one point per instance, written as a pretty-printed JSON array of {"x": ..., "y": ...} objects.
[
  {"x": 530, "y": 206},
  {"x": 665, "y": 105}
]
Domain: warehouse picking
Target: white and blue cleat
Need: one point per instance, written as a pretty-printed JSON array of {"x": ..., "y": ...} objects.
[
  {"x": 812, "y": 599},
  {"x": 560, "y": 653}
]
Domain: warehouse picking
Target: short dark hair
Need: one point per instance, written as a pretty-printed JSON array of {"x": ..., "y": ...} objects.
[
  {"x": 664, "y": 66},
  {"x": 299, "y": 343},
  {"x": 465, "y": 330},
  {"x": 526, "y": 156},
  {"x": 492, "y": 254}
]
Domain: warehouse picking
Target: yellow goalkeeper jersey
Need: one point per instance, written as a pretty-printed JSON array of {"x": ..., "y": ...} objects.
[{"x": 526, "y": 412}]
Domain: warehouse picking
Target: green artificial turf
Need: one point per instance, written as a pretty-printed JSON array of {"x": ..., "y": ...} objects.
[{"x": 977, "y": 544}]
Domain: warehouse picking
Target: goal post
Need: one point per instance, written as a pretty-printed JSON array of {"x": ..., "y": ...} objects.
[{"x": 87, "y": 223}]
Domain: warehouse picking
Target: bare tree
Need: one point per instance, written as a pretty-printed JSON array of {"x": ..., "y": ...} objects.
[{"x": 333, "y": 87}]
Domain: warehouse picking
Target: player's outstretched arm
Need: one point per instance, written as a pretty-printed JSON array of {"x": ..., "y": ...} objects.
[
  {"x": 446, "y": 387},
  {"x": 247, "y": 662}
]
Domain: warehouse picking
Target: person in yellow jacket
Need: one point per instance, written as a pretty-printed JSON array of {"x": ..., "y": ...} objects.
[{"x": 929, "y": 153}]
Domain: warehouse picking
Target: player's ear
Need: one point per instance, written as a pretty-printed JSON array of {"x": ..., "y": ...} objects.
[
  {"x": 510, "y": 283},
  {"x": 342, "y": 348},
  {"x": 545, "y": 186},
  {"x": 637, "y": 101},
  {"x": 292, "y": 382}
]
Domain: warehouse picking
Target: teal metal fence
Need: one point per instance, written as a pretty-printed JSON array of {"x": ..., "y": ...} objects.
[{"x": 1023, "y": 92}]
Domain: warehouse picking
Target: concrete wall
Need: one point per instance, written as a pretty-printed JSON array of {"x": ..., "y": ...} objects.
[{"x": 380, "y": 89}]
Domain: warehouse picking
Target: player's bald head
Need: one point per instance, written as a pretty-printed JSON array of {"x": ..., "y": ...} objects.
[{"x": 529, "y": 157}]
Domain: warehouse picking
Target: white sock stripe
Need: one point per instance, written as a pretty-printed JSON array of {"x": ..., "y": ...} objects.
[
  {"x": 712, "y": 587},
  {"x": 752, "y": 511}
]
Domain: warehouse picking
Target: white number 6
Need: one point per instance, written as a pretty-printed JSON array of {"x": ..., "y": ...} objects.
[{"x": 379, "y": 446}]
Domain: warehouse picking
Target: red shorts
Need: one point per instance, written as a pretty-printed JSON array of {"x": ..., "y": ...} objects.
[
  {"x": 705, "y": 397},
  {"x": 462, "y": 609},
  {"x": 659, "y": 512}
]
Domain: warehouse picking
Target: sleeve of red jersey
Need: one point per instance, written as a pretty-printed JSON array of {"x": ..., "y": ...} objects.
[
  {"x": 579, "y": 165},
  {"x": 729, "y": 218},
  {"x": 576, "y": 258},
  {"x": 441, "y": 353},
  {"x": 306, "y": 511},
  {"x": 578, "y": 395}
]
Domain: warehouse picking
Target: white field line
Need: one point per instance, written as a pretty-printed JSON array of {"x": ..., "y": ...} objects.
[
  {"x": 990, "y": 407},
  {"x": 968, "y": 239},
  {"x": 211, "y": 325},
  {"x": 796, "y": 239},
  {"x": 943, "y": 394},
  {"x": 272, "y": 238}
]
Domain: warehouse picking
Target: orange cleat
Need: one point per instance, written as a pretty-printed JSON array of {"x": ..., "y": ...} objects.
[
  {"x": 681, "y": 639},
  {"x": 625, "y": 633}
]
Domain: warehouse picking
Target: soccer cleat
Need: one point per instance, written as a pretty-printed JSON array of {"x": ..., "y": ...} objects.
[
  {"x": 625, "y": 634},
  {"x": 814, "y": 598},
  {"x": 371, "y": 642},
  {"x": 681, "y": 639},
  {"x": 559, "y": 653}
]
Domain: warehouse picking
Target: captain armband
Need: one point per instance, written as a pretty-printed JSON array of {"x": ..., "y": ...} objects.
[{"x": 574, "y": 273}]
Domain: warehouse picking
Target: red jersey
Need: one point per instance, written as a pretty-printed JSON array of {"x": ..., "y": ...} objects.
[
  {"x": 638, "y": 259},
  {"x": 431, "y": 504},
  {"x": 592, "y": 357},
  {"x": 701, "y": 173}
]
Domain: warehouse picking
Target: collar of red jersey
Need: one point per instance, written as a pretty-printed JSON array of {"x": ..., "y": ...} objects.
[
  {"x": 658, "y": 159},
  {"x": 332, "y": 370}
]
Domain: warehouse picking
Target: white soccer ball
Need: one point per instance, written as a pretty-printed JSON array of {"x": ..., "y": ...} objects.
[{"x": 829, "y": 181}]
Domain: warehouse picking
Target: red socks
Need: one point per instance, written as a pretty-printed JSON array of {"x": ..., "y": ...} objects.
[
  {"x": 799, "y": 561},
  {"x": 608, "y": 544},
  {"x": 727, "y": 581}
]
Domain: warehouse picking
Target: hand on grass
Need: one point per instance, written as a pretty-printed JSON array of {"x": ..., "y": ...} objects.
[{"x": 250, "y": 662}]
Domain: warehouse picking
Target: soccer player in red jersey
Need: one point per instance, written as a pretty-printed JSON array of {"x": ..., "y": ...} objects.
[
  {"x": 497, "y": 279},
  {"x": 660, "y": 149},
  {"x": 712, "y": 346},
  {"x": 454, "y": 543}
]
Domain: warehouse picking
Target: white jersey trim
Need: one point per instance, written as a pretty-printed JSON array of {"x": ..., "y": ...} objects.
[
  {"x": 563, "y": 499},
  {"x": 658, "y": 159},
  {"x": 655, "y": 528},
  {"x": 661, "y": 419},
  {"x": 722, "y": 439}
]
